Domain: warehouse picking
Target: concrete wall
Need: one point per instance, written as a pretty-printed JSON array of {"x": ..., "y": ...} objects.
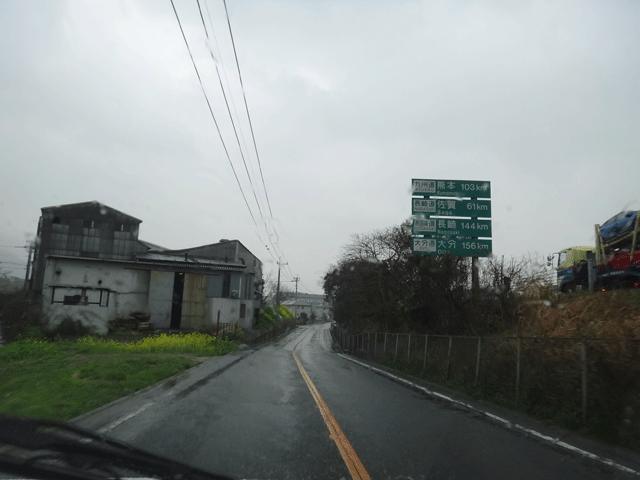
[
  {"x": 160, "y": 298},
  {"x": 105, "y": 290},
  {"x": 230, "y": 311}
]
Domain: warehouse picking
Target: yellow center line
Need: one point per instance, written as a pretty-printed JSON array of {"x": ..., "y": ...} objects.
[{"x": 356, "y": 469}]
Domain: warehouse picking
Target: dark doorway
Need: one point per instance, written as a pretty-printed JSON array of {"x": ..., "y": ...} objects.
[{"x": 176, "y": 304}]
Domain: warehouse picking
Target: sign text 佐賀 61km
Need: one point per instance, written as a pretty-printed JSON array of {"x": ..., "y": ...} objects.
[{"x": 451, "y": 207}]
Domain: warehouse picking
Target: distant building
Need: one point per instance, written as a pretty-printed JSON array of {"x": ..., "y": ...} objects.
[
  {"x": 309, "y": 303},
  {"x": 90, "y": 265}
]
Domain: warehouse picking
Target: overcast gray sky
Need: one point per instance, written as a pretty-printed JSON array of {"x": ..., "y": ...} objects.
[{"x": 350, "y": 100}]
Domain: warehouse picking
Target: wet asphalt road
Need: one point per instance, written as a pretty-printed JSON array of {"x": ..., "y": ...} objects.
[{"x": 251, "y": 415}]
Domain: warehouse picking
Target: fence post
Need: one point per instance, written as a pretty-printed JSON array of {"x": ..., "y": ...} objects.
[
  {"x": 583, "y": 359},
  {"x": 384, "y": 347},
  {"x": 518, "y": 369},
  {"x": 426, "y": 343},
  {"x": 449, "y": 356},
  {"x": 409, "y": 349},
  {"x": 396, "y": 356},
  {"x": 375, "y": 344},
  {"x": 475, "y": 382}
]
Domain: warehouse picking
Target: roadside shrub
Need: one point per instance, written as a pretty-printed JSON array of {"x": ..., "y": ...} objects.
[
  {"x": 271, "y": 316},
  {"x": 266, "y": 319},
  {"x": 69, "y": 327},
  {"x": 268, "y": 314},
  {"x": 20, "y": 319},
  {"x": 236, "y": 336},
  {"x": 285, "y": 312}
]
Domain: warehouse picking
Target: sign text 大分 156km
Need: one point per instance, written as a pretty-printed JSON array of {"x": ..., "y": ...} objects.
[{"x": 461, "y": 247}]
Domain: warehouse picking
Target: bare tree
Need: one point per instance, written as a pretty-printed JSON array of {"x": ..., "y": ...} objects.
[{"x": 271, "y": 289}]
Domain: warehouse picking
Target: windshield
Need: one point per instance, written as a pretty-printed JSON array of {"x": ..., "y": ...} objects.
[
  {"x": 562, "y": 258},
  {"x": 231, "y": 232}
]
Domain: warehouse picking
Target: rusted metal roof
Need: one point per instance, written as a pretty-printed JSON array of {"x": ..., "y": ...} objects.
[
  {"x": 167, "y": 261},
  {"x": 88, "y": 206}
]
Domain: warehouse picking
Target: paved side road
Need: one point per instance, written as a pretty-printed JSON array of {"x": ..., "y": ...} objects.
[{"x": 251, "y": 414}]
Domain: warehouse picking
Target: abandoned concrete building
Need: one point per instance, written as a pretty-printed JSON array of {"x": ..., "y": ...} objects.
[{"x": 89, "y": 265}]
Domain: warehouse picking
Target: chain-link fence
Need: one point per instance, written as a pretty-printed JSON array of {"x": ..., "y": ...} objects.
[{"x": 583, "y": 380}]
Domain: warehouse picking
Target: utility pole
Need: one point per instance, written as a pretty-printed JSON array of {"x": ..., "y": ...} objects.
[
  {"x": 26, "y": 277},
  {"x": 475, "y": 274},
  {"x": 278, "y": 288},
  {"x": 296, "y": 279}
]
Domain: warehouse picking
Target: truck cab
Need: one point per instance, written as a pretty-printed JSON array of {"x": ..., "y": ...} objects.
[
  {"x": 572, "y": 268},
  {"x": 616, "y": 257}
]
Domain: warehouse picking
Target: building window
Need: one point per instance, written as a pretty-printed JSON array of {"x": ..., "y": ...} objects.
[
  {"x": 72, "y": 299},
  {"x": 226, "y": 284},
  {"x": 243, "y": 310},
  {"x": 80, "y": 296}
]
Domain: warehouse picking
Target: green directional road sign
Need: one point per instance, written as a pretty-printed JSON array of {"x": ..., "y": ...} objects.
[
  {"x": 450, "y": 207},
  {"x": 460, "y": 247},
  {"x": 451, "y": 227},
  {"x": 451, "y": 188}
]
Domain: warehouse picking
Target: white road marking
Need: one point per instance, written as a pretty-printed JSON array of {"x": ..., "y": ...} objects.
[
  {"x": 113, "y": 425},
  {"x": 507, "y": 423}
]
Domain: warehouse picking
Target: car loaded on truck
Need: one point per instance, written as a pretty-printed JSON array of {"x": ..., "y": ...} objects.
[{"x": 615, "y": 259}]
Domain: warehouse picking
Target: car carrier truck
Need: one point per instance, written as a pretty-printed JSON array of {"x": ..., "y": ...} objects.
[{"x": 613, "y": 263}]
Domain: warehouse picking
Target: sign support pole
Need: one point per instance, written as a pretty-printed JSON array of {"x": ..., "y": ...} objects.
[{"x": 475, "y": 274}]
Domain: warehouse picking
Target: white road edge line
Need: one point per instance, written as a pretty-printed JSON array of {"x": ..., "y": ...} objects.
[
  {"x": 507, "y": 423},
  {"x": 121, "y": 420},
  {"x": 114, "y": 424}
]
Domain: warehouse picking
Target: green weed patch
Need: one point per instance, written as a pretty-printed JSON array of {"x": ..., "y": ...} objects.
[{"x": 63, "y": 379}]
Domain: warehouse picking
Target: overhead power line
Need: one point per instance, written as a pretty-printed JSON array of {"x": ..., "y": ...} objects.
[
  {"x": 278, "y": 255},
  {"x": 13, "y": 263},
  {"x": 233, "y": 124},
  {"x": 275, "y": 245},
  {"x": 247, "y": 107},
  {"x": 226, "y": 78},
  {"x": 211, "y": 112}
]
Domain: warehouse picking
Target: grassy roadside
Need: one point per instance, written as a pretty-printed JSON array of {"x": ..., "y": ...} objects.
[{"x": 63, "y": 379}]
